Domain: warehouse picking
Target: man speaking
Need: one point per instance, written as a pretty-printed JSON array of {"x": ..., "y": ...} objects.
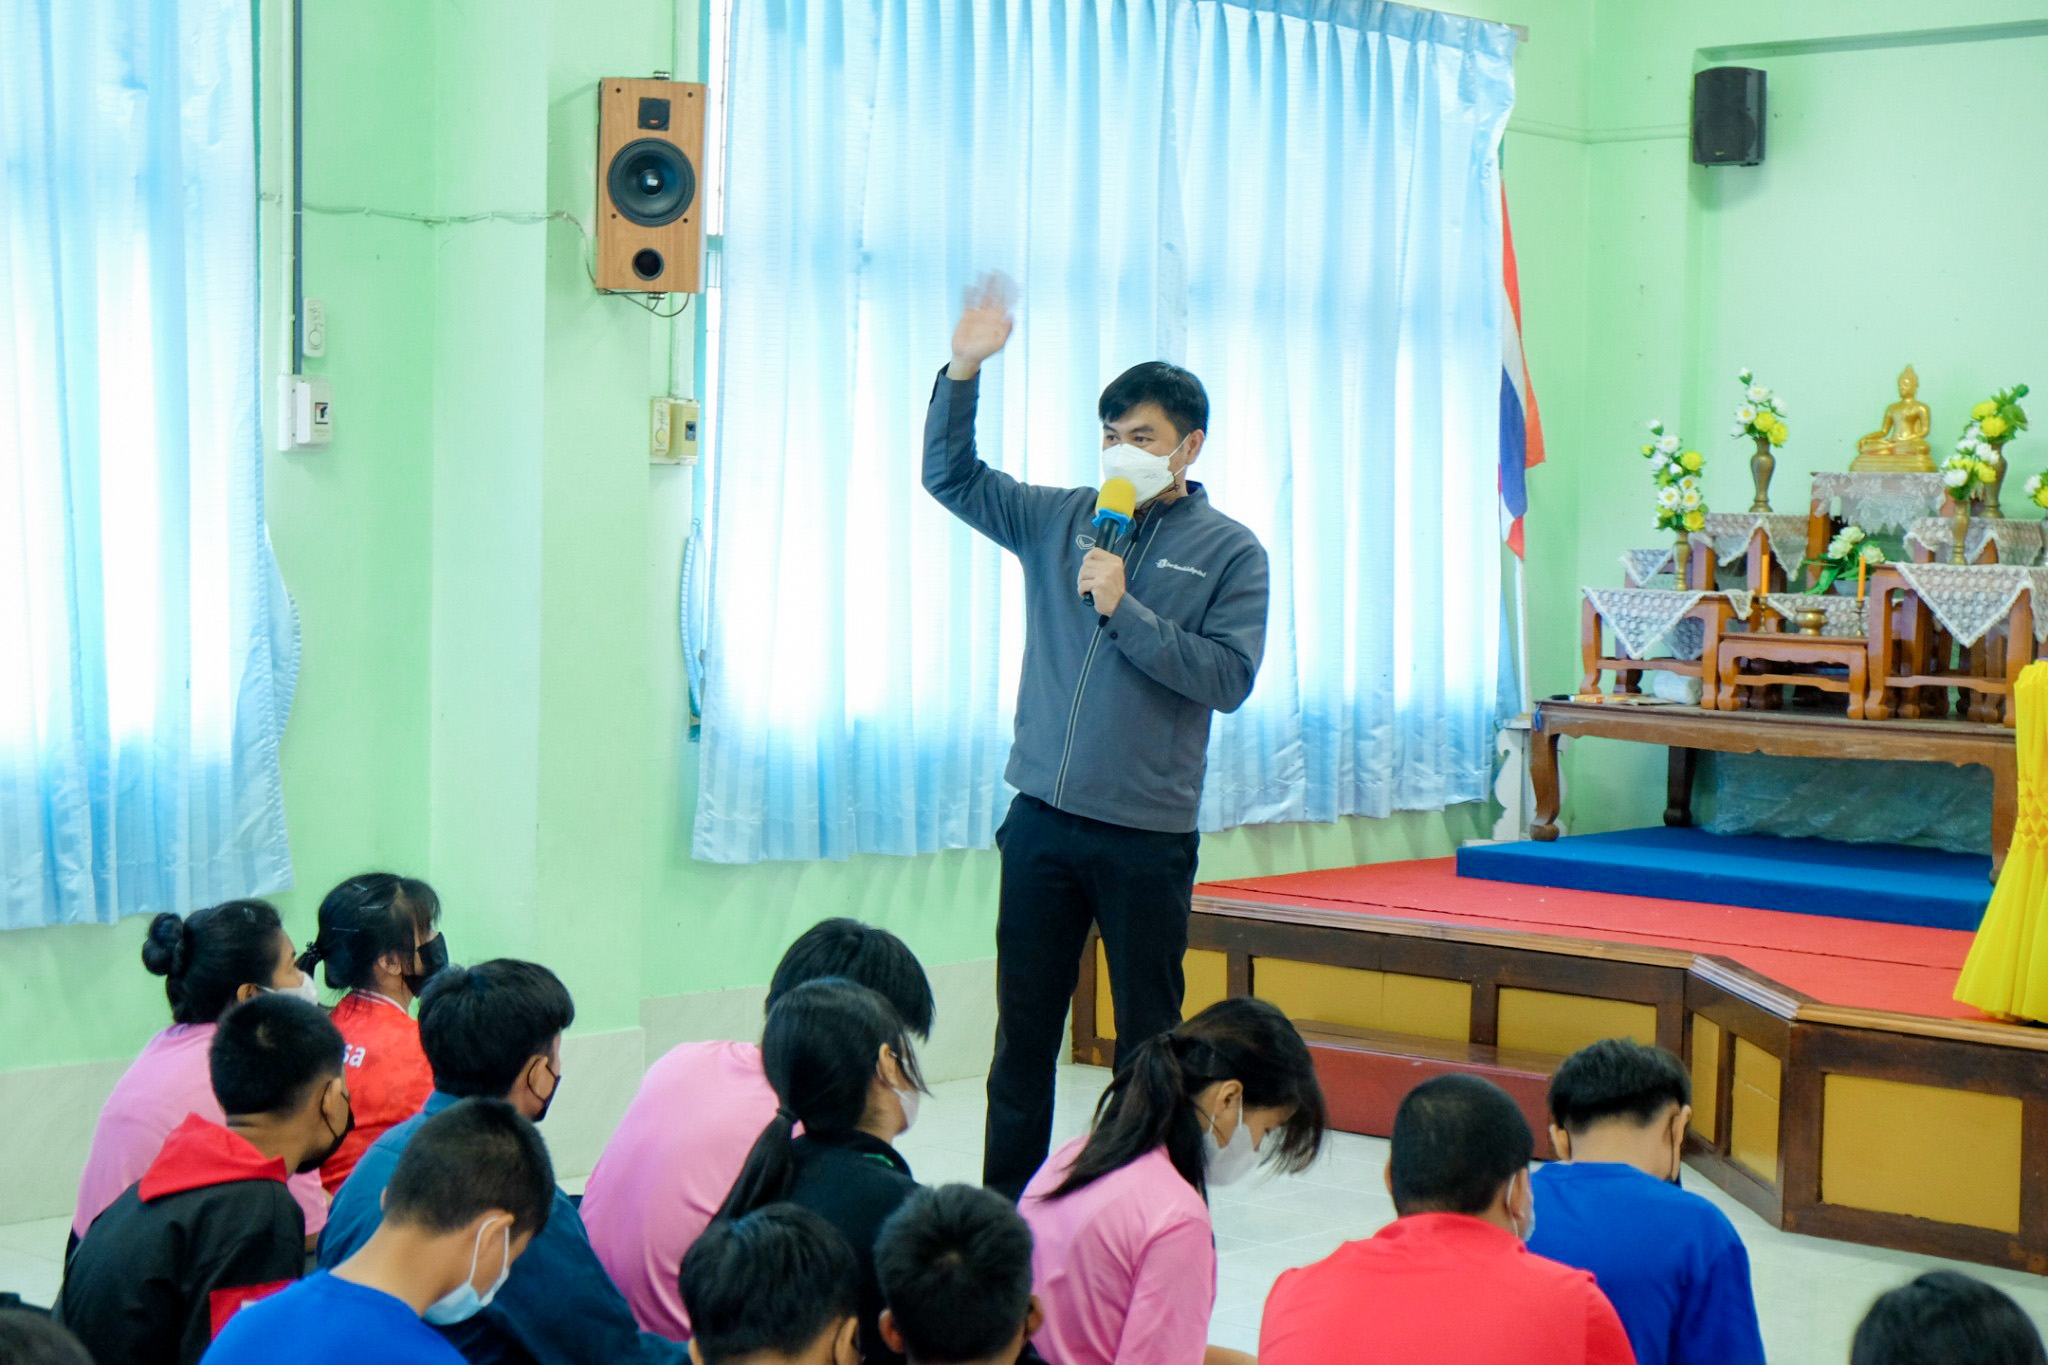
[{"x": 1137, "y": 629}]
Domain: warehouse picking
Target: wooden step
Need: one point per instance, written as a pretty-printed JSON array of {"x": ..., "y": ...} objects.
[{"x": 1366, "y": 1073}]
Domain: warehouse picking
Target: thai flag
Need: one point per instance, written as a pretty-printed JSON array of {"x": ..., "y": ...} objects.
[{"x": 1521, "y": 428}]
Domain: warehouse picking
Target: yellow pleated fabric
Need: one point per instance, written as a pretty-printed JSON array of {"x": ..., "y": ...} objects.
[{"x": 2006, "y": 973}]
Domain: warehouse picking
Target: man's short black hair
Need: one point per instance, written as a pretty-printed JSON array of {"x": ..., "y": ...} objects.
[
  {"x": 269, "y": 1054},
  {"x": 1182, "y": 396},
  {"x": 1457, "y": 1140},
  {"x": 774, "y": 1280},
  {"x": 473, "y": 1157},
  {"x": 1945, "y": 1318},
  {"x": 955, "y": 1270},
  {"x": 31, "y": 1338},
  {"x": 864, "y": 955},
  {"x": 481, "y": 1025},
  {"x": 1617, "y": 1078}
]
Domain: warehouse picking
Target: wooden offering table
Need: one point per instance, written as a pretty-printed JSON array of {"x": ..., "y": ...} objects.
[{"x": 1687, "y": 730}]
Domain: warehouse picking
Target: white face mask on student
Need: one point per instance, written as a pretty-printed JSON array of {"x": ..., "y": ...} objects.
[
  {"x": 1149, "y": 474},
  {"x": 306, "y": 990},
  {"x": 463, "y": 1302},
  {"x": 1226, "y": 1163}
]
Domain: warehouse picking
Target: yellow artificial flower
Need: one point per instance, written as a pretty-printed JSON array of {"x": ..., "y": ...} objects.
[
  {"x": 1993, "y": 428},
  {"x": 1986, "y": 472},
  {"x": 1777, "y": 433},
  {"x": 1984, "y": 409},
  {"x": 1696, "y": 520},
  {"x": 2041, "y": 496},
  {"x": 1693, "y": 461},
  {"x": 1649, "y": 450}
]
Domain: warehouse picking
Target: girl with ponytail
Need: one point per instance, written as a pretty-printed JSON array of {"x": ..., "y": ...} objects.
[
  {"x": 378, "y": 941},
  {"x": 840, "y": 1060},
  {"x": 209, "y": 960},
  {"x": 1123, "y": 1255}
]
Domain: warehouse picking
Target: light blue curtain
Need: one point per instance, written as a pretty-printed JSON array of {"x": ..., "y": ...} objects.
[
  {"x": 147, "y": 651},
  {"x": 1123, "y": 160}
]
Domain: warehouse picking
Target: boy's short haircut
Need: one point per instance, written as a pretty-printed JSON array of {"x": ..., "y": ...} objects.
[
  {"x": 1617, "y": 1078},
  {"x": 773, "y": 1281},
  {"x": 474, "y": 1156},
  {"x": 481, "y": 1025},
  {"x": 28, "y": 1338},
  {"x": 955, "y": 1268},
  {"x": 1946, "y": 1318},
  {"x": 1457, "y": 1140},
  {"x": 270, "y": 1053}
]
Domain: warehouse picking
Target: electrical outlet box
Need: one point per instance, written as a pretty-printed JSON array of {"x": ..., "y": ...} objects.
[
  {"x": 305, "y": 416},
  {"x": 683, "y": 426}
]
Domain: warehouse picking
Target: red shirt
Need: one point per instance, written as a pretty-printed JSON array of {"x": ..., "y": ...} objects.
[
  {"x": 388, "y": 1076},
  {"x": 1444, "y": 1288}
]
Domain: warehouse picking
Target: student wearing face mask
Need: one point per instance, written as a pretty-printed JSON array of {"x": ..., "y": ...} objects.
[
  {"x": 1669, "y": 1261},
  {"x": 841, "y": 1062},
  {"x": 470, "y": 1194},
  {"x": 1123, "y": 1254},
  {"x": 1130, "y": 647},
  {"x": 210, "y": 960},
  {"x": 494, "y": 1031},
  {"x": 379, "y": 942},
  {"x": 1450, "y": 1280},
  {"x": 210, "y": 1226}
]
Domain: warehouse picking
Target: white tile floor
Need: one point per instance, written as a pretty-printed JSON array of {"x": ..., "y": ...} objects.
[{"x": 1810, "y": 1292}]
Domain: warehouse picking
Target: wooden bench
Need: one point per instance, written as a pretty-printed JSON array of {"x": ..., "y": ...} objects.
[{"x": 1365, "y": 1073}]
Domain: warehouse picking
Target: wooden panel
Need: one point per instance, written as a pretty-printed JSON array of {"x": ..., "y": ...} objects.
[
  {"x": 1425, "y": 1006},
  {"x": 1753, "y": 1117},
  {"x": 1547, "y": 1021},
  {"x": 1951, "y": 1156},
  {"x": 1366, "y": 1073},
  {"x": 1706, "y": 1076},
  {"x": 1208, "y": 980}
]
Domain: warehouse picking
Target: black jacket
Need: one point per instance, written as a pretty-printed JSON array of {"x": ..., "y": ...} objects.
[
  {"x": 854, "y": 1182},
  {"x": 207, "y": 1229}
]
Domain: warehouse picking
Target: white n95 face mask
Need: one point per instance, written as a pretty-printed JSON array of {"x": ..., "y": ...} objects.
[
  {"x": 1149, "y": 474},
  {"x": 1226, "y": 1163}
]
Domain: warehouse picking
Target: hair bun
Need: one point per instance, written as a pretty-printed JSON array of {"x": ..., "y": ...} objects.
[{"x": 165, "y": 950}]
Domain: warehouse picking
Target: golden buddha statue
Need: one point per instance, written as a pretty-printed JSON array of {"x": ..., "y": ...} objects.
[{"x": 1900, "y": 446}]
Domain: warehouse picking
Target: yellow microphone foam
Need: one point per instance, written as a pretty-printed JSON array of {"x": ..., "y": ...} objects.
[{"x": 1118, "y": 496}]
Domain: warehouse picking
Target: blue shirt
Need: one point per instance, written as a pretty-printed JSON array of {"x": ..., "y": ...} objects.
[
  {"x": 558, "y": 1307},
  {"x": 1670, "y": 1262},
  {"x": 325, "y": 1321}
]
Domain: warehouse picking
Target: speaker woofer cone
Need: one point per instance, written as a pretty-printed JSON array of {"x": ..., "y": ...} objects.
[{"x": 651, "y": 182}]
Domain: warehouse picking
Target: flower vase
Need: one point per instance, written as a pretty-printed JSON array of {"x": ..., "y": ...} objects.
[
  {"x": 1681, "y": 560},
  {"x": 1997, "y": 462},
  {"x": 1959, "y": 533},
  {"x": 1761, "y": 465}
]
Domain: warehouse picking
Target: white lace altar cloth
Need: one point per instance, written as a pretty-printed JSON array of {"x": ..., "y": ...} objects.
[
  {"x": 1641, "y": 568},
  {"x": 2019, "y": 542},
  {"x": 1880, "y": 502},
  {"x": 1971, "y": 599},
  {"x": 1647, "y": 619},
  {"x": 1729, "y": 534}
]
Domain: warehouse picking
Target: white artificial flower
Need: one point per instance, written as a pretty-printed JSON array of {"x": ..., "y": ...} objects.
[
  {"x": 1744, "y": 375},
  {"x": 1735, "y": 430},
  {"x": 1837, "y": 548},
  {"x": 1852, "y": 534},
  {"x": 1956, "y": 478},
  {"x": 1758, "y": 393},
  {"x": 1872, "y": 555},
  {"x": 1690, "y": 499},
  {"x": 2033, "y": 485},
  {"x": 1778, "y": 405},
  {"x": 1656, "y": 424},
  {"x": 1745, "y": 414},
  {"x": 1667, "y": 497},
  {"x": 1667, "y": 445},
  {"x": 1689, "y": 481}
]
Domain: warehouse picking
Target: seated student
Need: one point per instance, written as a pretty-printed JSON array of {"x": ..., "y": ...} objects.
[
  {"x": 841, "y": 1062},
  {"x": 378, "y": 942},
  {"x": 687, "y": 1133},
  {"x": 1944, "y": 1318},
  {"x": 210, "y": 1226},
  {"x": 1124, "y": 1256},
  {"x": 1669, "y": 1261},
  {"x": 777, "y": 1287},
  {"x": 1449, "y": 1280},
  {"x": 29, "y": 1338},
  {"x": 470, "y": 1194},
  {"x": 209, "y": 960},
  {"x": 955, "y": 1270},
  {"x": 494, "y": 1031}
]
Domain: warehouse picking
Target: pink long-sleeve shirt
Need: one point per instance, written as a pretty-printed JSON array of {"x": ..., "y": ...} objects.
[
  {"x": 1125, "y": 1267},
  {"x": 166, "y": 1083}
]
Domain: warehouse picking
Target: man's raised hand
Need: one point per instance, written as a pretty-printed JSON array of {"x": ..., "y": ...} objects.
[{"x": 984, "y": 325}]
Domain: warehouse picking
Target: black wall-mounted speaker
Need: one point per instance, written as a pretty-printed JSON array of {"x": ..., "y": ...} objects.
[{"x": 1728, "y": 116}]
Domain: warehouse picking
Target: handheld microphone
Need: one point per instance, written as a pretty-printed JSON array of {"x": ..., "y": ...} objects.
[{"x": 1115, "y": 507}]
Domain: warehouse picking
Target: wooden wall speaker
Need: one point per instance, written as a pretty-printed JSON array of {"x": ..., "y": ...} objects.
[{"x": 650, "y": 222}]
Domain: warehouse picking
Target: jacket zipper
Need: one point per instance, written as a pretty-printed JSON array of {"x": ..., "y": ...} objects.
[{"x": 1059, "y": 786}]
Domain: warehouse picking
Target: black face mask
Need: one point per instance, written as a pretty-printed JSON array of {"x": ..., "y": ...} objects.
[
  {"x": 433, "y": 956},
  {"x": 549, "y": 1102},
  {"x": 314, "y": 1163}
]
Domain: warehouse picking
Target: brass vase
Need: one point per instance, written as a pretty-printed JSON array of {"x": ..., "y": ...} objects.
[
  {"x": 1681, "y": 560},
  {"x": 1959, "y": 532},
  {"x": 1997, "y": 462},
  {"x": 1760, "y": 466}
]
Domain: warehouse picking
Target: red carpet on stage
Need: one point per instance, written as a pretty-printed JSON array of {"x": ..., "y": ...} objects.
[{"x": 1901, "y": 968}]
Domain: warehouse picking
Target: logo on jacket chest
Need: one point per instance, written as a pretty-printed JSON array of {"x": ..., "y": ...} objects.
[{"x": 1164, "y": 563}]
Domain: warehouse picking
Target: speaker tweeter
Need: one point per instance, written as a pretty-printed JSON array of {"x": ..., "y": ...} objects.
[{"x": 650, "y": 143}]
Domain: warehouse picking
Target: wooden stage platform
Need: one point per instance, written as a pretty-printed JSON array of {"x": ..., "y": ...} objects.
[{"x": 1853, "y": 1100}]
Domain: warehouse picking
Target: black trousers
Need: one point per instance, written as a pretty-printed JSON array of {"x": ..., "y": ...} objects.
[{"x": 1062, "y": 873}]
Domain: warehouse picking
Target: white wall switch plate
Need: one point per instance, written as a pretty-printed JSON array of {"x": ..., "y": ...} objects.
[{"x": 313, "y": 337}]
